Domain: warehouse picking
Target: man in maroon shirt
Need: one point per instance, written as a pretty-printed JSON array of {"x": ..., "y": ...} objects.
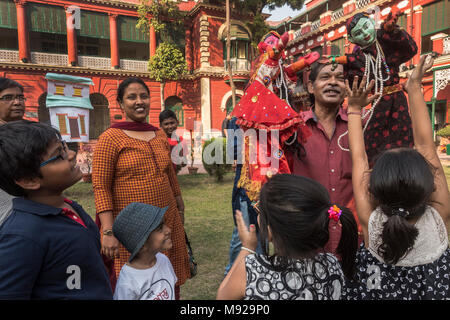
[{"x": 325, "y": 161}]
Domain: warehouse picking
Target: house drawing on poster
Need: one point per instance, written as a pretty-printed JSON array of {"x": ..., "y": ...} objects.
[{"x": 68, "y": 103}]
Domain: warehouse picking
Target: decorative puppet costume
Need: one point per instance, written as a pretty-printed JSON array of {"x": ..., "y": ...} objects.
[
  {"x": 264, "y": 111},
  {"x": 378, "y": 56}
]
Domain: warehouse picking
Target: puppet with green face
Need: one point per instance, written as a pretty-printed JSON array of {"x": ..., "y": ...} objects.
[
  {"x": 378, "y": 55},
  {"x": 363, "y": 33}
]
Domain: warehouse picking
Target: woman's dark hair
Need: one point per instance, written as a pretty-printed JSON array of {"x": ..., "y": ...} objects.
[
  {"x": 23, "y": 144},
  {"x": 296, "y": 210},
  {"x": 125, "y": 83},
  {"x": 167, "y": 114},
  {"x": 401, "y": 183},
  {"x": 6, "y": 83}
]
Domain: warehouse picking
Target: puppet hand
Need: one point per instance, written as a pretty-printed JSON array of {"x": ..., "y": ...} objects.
[
  {"x": 301, "y": 63},
  {"x": 358, "y": 97},
  {"x": 391, "y": 20}
]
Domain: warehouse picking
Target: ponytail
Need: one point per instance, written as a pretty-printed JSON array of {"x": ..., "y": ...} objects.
[
  {"x": 398, "y": 235},
  {"x": 348, "y": 244}
]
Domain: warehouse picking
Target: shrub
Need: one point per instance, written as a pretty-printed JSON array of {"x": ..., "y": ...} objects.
[
  {"x": 214, "y": 159},
  {"x": 444, "y": 132}
]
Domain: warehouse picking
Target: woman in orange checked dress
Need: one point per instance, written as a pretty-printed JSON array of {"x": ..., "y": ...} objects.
[{"x": 132, "y": 164}]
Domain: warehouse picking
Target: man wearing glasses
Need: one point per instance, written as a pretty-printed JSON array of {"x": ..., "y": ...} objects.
[{"x": 12, "y": 108}]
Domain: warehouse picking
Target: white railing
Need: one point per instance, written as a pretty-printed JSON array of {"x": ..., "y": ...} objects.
[
  {"x": 446, "y": 46},
  {"x": 335, "y": 15},
  {"x": 94, "y": 62},
  {"x": 238, "y": 65},
  {"x": 49, "y": 59},
  {"x": 134, "y": 65},
  {"x": 361, "y": 4},
  {"x": 315, "y": 25},
  {"x": 9, "y": 56}
]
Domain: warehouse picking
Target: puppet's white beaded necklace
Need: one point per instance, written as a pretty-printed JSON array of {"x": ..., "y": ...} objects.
[{"x": 376, "y": 65}]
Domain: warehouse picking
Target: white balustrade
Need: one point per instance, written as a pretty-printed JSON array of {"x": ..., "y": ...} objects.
[
  {"x": 238, "y": 65},
  {"x": 335, "y": 15},
  {"x": 315, "y": 25},
  {"x": 134, "y": 65},
  {"x": 94, "y": 62},
  {"x": 9, "y": 56},
  {"x": 446, "y": 46},
  {"x": 361, "y": 4}
]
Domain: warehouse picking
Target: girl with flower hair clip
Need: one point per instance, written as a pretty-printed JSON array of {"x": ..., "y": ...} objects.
[
  {"x": 296, "y": 216},
  {"x": 403, "y": 206}
]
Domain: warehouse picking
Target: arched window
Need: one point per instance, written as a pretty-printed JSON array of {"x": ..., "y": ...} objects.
[
  {"x": 229, "y": 105},
  {"x": 176, "y": 105},
  {"x": 99, "y": 116},
  {"x": 240, "y": 50}
]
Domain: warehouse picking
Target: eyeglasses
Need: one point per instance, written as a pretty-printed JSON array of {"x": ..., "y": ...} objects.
[
  {"x": 10, "y": 97},
  {"x": 61, "y": 156}
]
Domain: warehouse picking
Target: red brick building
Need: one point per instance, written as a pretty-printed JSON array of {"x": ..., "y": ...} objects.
[{"x": 107, "y": 48}]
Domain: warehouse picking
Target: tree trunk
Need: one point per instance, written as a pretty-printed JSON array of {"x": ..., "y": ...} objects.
[
  {"x": 161, "y": 92},
  {"x": 230, "y": 71}
]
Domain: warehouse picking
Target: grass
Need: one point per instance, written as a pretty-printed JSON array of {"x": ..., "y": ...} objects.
[{"x": 208, "y": 224}]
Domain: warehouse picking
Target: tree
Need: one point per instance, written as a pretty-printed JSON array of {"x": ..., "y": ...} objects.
[
  {"x": 161, "y": 13},
  {"x": 168, "y": 63}
]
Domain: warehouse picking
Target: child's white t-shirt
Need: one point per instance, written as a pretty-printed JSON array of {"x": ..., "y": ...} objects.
[{"x": 155, "y": 283}]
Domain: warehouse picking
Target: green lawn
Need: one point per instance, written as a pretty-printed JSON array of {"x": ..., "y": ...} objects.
[{"x": 208, "y": 223}]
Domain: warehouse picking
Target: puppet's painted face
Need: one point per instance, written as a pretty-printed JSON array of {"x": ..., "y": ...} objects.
[
  {"x": 364, "y": 33},
  {"x": 272, "y": 40}
]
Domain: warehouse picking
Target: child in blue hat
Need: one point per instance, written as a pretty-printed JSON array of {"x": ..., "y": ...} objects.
[{"x": 148, "y": 274}]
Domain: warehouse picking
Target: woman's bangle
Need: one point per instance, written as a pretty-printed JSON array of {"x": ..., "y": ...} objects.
[
  {"x": 249, "y": 250},
  {"x": 354, "y": 112}
]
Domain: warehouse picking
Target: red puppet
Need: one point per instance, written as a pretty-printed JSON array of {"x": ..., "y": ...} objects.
[{"x": 267, "y": 118}]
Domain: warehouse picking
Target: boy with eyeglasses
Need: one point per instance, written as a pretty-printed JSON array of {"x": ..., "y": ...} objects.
[{"x": 49, "y": 246}]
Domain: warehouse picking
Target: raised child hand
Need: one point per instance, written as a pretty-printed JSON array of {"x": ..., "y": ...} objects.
[
  {"x": 246, "y": 235},
  {"x": 415, "y": 79},
  {"x": 358, "y": 96}
]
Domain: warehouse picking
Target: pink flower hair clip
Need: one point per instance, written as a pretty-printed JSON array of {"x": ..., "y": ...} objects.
[{"x": 334, "y": 213}]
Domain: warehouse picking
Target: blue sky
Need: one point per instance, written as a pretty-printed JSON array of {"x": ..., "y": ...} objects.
[{"x": 281, "y": 13}]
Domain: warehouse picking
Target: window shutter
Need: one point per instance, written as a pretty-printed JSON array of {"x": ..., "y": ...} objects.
[
  {"x": 44, "y": 18},
  {"x": 435, "y": 17},
  {"x": 129, "y": 32},
  {"x": 8, "y": 15},
  {"x": 94, "y": 25}
]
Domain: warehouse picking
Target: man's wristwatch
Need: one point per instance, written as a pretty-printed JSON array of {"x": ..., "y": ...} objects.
[{"x": 108, "y": 232}]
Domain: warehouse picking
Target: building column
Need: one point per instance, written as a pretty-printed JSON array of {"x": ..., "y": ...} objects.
[
  {"x": 22, "y": 31},
  {"x": 188, "y": 48},
  {"x": 114, "y": 41},
  {"x": 152, "y": 41},
  {"x": 72, "y": 49},
  {"x": 418, "y": 10},
  {"x": 409, "y": 28},
  {"x": 205, "y": 89}
]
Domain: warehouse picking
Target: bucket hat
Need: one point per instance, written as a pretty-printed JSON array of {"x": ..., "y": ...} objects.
[{"x": 134, "y": 224}]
